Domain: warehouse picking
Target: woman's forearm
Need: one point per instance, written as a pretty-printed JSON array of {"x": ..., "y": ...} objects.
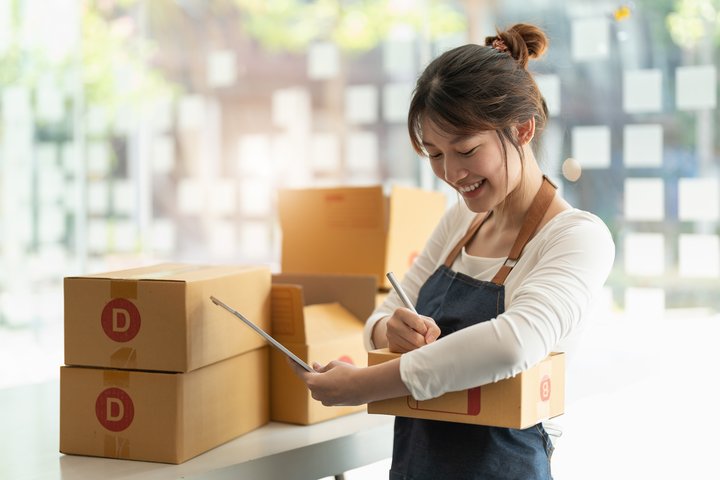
[{"x": 383, "y": 381}]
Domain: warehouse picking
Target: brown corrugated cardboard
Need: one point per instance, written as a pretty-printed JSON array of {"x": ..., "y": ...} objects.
[
  {"x": 316, "y": 332},
  {"x": 356, "y": 230},
  {"x": 161, "y": 317},
  {"x": 519, "y": 402},
  {"x": 162, "y": 417}
]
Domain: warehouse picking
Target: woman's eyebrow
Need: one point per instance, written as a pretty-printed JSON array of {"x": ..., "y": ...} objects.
[{"x": 454, "y": 140}]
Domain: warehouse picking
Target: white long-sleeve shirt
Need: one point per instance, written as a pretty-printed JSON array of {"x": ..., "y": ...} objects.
[{"x": 548, "y": 295}]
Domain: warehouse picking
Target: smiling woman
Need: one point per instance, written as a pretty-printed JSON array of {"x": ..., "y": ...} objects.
[{"x": 507, "y": 277}]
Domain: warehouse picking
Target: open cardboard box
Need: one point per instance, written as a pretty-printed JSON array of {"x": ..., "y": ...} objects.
[
  {"x": 158, "y": 416},
  {"x": 319, "y": 318},
  {"x": 518, "y": 402},
  {"x": 161, "y": 317},
  {"x": 356, "y": 230}
]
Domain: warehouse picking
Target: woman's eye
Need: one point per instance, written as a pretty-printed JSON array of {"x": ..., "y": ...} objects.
[
  {"x": 434, "y": 155},
  {"x": 469, "y": 152}
]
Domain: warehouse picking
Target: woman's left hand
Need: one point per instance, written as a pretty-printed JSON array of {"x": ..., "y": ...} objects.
[{"x": 333, "y": 384}]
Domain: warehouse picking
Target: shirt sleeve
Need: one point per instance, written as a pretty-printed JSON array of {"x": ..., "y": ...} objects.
[
  {"x": 551, "y": 301},
  {"x": 445, "y": 235}
]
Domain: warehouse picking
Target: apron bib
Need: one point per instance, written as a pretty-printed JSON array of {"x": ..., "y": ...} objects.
[{"x": 435, "y": 450}]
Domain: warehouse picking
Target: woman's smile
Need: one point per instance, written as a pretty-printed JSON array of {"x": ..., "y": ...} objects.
[{"x": 471, "y": 190}]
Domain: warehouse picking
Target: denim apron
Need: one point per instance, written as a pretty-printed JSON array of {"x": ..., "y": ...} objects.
[{"x": 436, "y": 450}]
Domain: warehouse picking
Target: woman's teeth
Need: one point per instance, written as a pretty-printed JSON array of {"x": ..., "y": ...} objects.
[{"x": 470, "y": 188}]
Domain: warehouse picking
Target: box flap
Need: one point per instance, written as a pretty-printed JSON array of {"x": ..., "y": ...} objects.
[
  {"x": 333, "y": 230},
  {"x": 294, "y": 323},
  {"x": 381, "y": 355},
  {"x": 357, "y": 293},
  {"x": 287, "y": 313},
  {"x": 414, "y": 213},
  {"x": 329, "y": 321}
]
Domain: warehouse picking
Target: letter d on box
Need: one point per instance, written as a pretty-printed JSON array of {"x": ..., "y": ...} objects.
[{"x": 120, "y": 320}]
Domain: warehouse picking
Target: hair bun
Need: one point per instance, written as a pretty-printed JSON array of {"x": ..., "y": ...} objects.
[{"x": 523, "y": 41}]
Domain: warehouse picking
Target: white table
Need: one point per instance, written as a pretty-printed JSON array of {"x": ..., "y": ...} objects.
[{"x": 29, "y": 438}]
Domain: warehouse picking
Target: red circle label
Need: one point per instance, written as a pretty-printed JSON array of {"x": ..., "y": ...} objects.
[
  {"x": 114, "y": 409},
  {"x": 412, "y": 257},
  {"x": 545, "y": 388},
  {"x": 346, "y": 359},
  {"x": 120, "y": 320}
]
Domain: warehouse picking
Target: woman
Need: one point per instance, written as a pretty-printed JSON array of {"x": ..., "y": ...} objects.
[{"x": 507, "y": 276}]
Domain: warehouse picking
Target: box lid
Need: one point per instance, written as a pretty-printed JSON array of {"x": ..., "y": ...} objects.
[
  {"x": 292, "y": 322},
  {"x": 178, "y": 272},
  {"x": 355, "y": 292}
]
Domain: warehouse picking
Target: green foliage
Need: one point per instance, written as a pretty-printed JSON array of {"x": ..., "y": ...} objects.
[
  {"x": 693, "y": 20},
  {"x": 360, "y": 25},
  {"x": 112, "y": 63}
]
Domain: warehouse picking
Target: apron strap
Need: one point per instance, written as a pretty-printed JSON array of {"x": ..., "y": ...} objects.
[{"x": 537, "y": 210}]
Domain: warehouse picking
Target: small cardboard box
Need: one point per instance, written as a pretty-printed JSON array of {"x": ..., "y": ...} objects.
[
  {"x": 518, "y": 402},
  {"x": 319, "y": 318},
  {"x": 162, "y": 417},
  {"x": 356, "y": 230},
  {"x": 161, "y": 317}
]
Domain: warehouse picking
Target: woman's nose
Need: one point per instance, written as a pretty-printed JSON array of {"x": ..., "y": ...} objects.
[{"x": 454, "y": 171}]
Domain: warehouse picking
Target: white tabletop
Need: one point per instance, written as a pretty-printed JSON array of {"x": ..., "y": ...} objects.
[{"x": 29, "y": 439}]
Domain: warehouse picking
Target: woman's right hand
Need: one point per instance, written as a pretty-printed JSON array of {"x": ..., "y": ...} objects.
[{"x": 407, "y": 331}]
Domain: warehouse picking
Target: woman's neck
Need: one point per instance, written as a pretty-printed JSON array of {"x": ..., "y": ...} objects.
[{"x": 510, "y": 214}]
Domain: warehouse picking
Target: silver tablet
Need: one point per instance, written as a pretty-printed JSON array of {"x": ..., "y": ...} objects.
[{"x": 265, "y": 335}]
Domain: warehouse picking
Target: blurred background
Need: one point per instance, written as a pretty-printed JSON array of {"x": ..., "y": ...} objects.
[{"x": 137, "y": 131}]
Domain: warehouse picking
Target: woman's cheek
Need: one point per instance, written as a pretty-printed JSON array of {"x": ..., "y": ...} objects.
[{"x": 438, "y": 168}]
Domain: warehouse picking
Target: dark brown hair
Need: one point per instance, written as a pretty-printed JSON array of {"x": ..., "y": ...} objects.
[{"x": 476, "y": 88}]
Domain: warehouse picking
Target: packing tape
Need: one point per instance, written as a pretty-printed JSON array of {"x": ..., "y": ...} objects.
[
  {"x": 544, "y": 389},
  {"x": 127, "y": 287},
  {"x": 124, "y": 357},
  {"x": 123, "y": 289},
  {"x": 116, "y": 378},
  {"x": 116, "y": 447},
  {"x": 166, "y": 273}
]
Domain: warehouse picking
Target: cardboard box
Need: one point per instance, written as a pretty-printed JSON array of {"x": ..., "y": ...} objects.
[
  {"x": 356, "y": 230},
  {"x": 162, "y": 417},
  {"x": 519, "y": 402},
  {"x": 161, "y": 317},
  {"x": 317, "y": 317}
]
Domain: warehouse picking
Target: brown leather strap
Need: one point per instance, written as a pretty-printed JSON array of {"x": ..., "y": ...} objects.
[
  {"x": 480, "y": 218},
  {"x": 535, "y": 214}
]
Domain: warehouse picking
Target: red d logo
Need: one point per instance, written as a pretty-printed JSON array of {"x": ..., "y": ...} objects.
[
  {"x": 114, "y": 409},
  {"x": 545, "y": 389},
  {"x": 346, "y": 359},
  {"x": 120, "y": 320}
]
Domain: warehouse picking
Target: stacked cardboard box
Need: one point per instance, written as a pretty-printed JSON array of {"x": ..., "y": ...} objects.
[
  {"x": 356, "y": 230},
  {"x": 154, "y": 371},
  {"x": 337, "y": 246}
]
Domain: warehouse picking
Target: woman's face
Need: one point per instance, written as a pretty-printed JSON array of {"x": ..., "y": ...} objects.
[{"x": 473, "y": 165}]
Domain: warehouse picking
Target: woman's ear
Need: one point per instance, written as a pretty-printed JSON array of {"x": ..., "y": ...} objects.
[{"x": 525, "y": 131}]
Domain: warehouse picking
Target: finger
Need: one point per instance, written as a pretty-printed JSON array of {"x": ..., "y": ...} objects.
[
  {"x": 407, "y": 341},
  {"x": 413, "y": 321},
  {"x": 401, "y": 345},
  {"x": 433, "y": 331}
]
